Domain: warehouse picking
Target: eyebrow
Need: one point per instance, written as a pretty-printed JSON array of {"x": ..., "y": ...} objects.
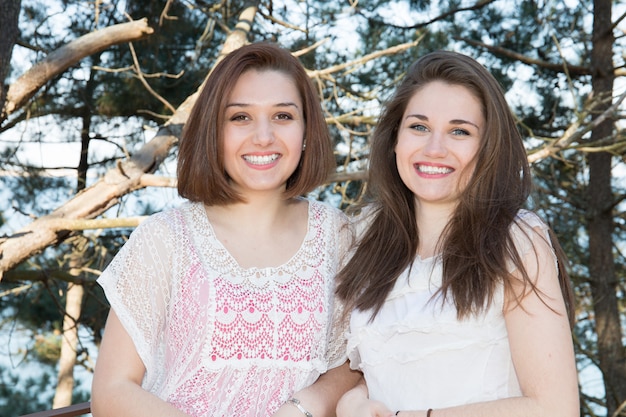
[
  {"x": 453, "y": 121},
  {"x": 285, "y": 104}
]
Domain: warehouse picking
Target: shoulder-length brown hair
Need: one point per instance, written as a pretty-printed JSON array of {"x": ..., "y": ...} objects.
[
  {"x": 476, "y": 243},
  {"x": 200, "y": 170}
]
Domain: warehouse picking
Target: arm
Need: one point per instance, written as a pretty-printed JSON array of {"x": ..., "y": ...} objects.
[
  {"x": 320, "y": 399},
  {"x": 541, "y": 340},
  {"x": 116, "y": 388},
  {"x": 541, "y": 348}
]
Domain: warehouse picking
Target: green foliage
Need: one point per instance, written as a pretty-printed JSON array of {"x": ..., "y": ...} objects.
[
  {"x": 38, "y": 307},
  {"x": 21, "y": 395},
  {"x": 34, "y": 193}
]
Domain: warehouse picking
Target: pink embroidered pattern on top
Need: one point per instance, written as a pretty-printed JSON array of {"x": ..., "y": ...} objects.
[{"x": 218, "y": 339}]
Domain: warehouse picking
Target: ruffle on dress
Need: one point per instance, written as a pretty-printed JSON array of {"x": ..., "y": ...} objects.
[{"x": 416, "y": 355}]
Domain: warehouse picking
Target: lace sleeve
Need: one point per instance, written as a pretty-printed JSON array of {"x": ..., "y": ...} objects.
[
  {"x": 337, "y": 346},
  {"x": 136, "y": 284}
]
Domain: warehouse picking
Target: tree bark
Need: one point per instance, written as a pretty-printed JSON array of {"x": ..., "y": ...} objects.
[
  {"x": 117, "y": 182},
  {"x": 69, "y": 343},
  {"x": 603, "y": 280},
  {"x": 9, "y": 31},
  {"x": 75, "y": 291},
  {"x": 61, "y": 59}
]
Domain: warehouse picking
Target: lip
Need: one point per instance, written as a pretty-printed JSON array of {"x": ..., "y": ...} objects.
[
  {"x": 430, "y": 170},
  {"x": 262, "y": 160}
]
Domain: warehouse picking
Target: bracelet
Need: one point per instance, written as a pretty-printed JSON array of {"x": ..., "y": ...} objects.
[
  {"x": 428, "y": 413},
  {"x": 296, "y": 403}
]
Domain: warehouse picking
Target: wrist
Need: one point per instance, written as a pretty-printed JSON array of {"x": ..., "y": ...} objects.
[{"x": 296, "y": 403}]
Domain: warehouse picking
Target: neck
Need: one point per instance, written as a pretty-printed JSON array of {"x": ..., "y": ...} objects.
[
  {"x": 259, "y": 213},
  {"x": 431, "y": 220},
  {"x": 260, "y": 232}
]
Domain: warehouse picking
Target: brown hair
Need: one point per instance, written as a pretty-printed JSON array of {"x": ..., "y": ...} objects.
[
  {"x": 476, "y": 244},
  {"x": 201, "y": 173}
]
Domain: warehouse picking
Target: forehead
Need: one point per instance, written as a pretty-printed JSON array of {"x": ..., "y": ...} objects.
[
  {"x": 440, "y": 99},
  {"x": 265, "y": 86}
]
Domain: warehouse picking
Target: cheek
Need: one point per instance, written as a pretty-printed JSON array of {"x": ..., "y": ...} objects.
[
  {"x": 403, "y": 166},
  {"x": 228, "y": 137},
  {"x": 466, "y": 175},
  {"x": 227, "y": 148},
  {"x": 403, "y": 152},
  {"x": 398, "y": 148}
]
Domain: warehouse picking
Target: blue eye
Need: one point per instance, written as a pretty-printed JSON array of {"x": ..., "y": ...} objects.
[
  {"x": 418, "y": 127},
  {"x": 460, "y": 132}
]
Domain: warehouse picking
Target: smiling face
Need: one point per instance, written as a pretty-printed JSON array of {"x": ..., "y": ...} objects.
[
  {"x": 438, "y": 137},
  {"x": 263, "y": 132}
]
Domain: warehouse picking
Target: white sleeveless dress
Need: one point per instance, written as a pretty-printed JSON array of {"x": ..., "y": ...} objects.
[{"x": 416, "y": 355}]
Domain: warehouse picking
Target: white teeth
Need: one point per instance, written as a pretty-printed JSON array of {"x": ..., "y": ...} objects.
[
  {"x": 261, "y": 159},
  {"x": 426, "y": 169}
]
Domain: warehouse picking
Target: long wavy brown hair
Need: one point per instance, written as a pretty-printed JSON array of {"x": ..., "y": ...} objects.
[{"x": 476, "y": 245}]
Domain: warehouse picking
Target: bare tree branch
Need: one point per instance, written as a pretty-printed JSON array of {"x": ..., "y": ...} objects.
[
  {"x": 84, "y": 224},
  {"x": 574, "y": 70},
  {"x": 348, "y": 176},
  {"x": 478, "y": 5},
  {"x": 61, "y": 59},
  {"x": 389, "y": 51},
  {"x": 33, "y": 276},
  {"x": 574, "y": 133},
  {"x": 143, "y": 81}
]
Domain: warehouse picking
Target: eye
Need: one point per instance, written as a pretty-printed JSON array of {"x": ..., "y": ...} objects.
[
  {"x": 460, "y": 132},
  {"x": 284, "y": 116},
  {"x": 239, "y": 117},
  {"x": 418, "y": 127}
]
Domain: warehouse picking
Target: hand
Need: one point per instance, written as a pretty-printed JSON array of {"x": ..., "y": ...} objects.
[
  {"x": 364, "y": 408},
  {"x": 356, "y": 404}
]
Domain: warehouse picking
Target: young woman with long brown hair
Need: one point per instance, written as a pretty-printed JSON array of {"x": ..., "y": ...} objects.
[{"x": 461, "y": 304}]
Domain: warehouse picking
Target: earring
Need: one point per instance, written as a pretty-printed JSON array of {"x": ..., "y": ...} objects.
[{"x": 303, "y": 145}]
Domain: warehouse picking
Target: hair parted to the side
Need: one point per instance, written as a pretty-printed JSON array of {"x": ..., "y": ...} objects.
[
  {"x": 476, "y": 244},
  {"x": 200, "y": 170}
]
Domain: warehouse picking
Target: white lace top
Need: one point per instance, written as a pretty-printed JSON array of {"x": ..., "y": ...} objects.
[
  {"x": 220, "y": 340},
  {"x": 416, "y": 355}
]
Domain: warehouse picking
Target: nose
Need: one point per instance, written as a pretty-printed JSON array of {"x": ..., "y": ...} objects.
[
  {"x": 264, "y": 133},
  {"x": 435, "y": 146}
]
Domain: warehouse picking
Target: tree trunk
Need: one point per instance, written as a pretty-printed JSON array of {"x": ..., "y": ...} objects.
[
  {"x": 603, "y": 279},
  {"x": 9, "y": 31},
  {"x": 74, "y": 300},
  {"x": 69, "y": 342}
]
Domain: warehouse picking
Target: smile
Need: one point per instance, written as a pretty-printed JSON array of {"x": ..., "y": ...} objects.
[
  {"x": 428, "y": 169},
  {"x": 261, "y": 159}
]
